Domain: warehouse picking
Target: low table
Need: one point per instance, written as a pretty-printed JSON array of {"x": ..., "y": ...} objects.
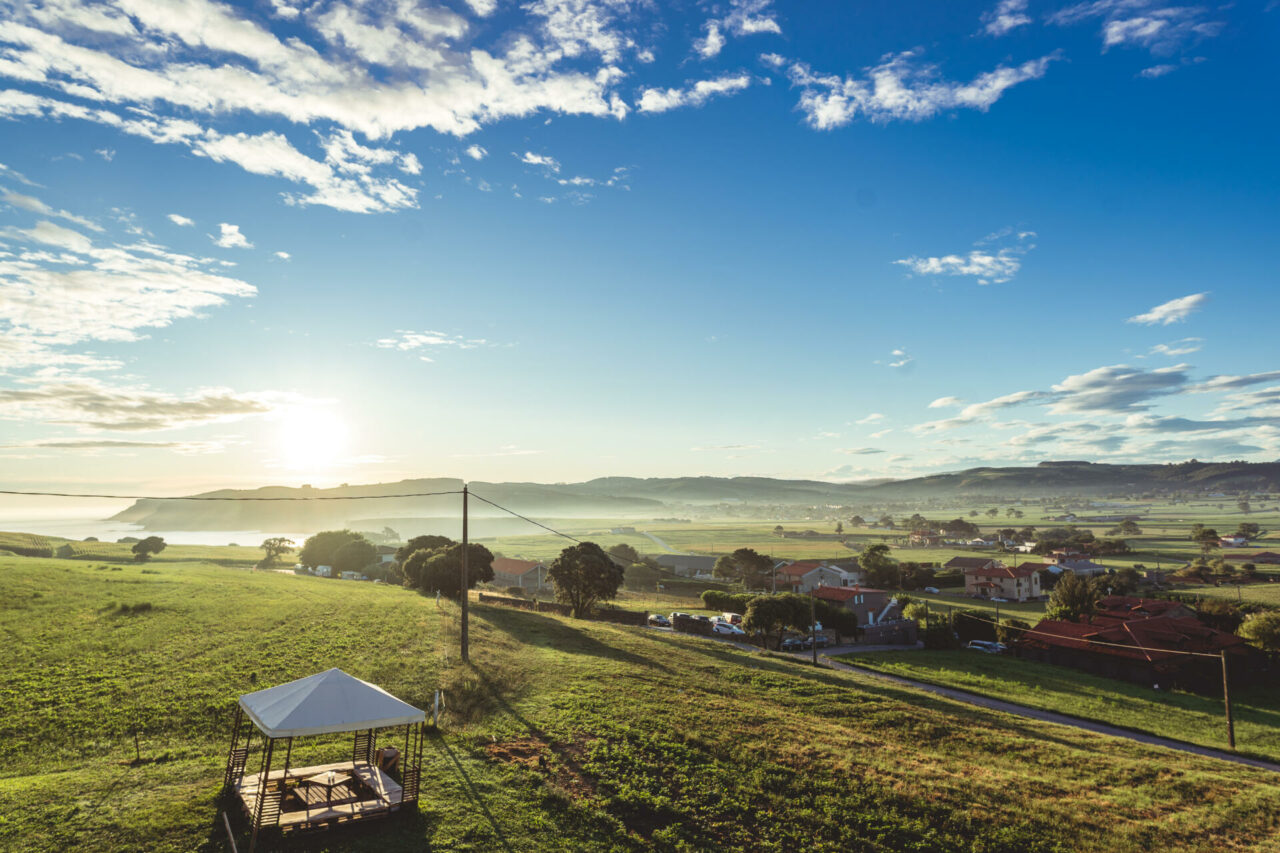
[{"x": 328, "y": 780}]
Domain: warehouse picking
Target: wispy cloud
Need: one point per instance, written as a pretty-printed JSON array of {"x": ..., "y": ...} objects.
[
  {"x": 1173, "y": 311},
  {"x": 874, "y": 417},
  {"x": 406, "y": 341},
  {"x": 860, "y": 451},
  {"x": 1007, "y": 16},
  {"x": 946, "y": 402},
  {"x": 986, "y": 266},
  {"x": 901, "y": 88},
  {"x": 695, "y": 95},
  {"x": 529, "y": 158},
  {"x": 1185, "y": 346},
  {"x": 34, "y": 205},
  {"x": 179, "y": 219},
  {"x": 476, "y": 152},
  {"x": 1154, "y": 25},
  {"x": 744, "y": 18}
]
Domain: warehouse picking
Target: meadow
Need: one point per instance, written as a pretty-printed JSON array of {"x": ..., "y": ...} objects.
[
  {"x": 1173, "y": 714},
  {"x": 647, "y": 740}
]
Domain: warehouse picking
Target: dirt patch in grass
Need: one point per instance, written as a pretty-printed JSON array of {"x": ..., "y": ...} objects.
[{"x": 559, "y": 764}]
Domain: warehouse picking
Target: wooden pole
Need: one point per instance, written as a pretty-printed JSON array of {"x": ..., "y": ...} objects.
[
  {"x": 466, "y": 651},
  {"x": 1226, "y": 702}
]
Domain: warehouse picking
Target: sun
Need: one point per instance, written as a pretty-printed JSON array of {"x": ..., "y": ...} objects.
[{"x": 311, "y": 438}]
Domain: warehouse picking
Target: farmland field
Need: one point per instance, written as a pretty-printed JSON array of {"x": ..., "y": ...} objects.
[{"x": 648, "y": 740}]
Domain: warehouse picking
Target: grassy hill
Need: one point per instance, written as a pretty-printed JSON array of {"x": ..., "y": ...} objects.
[{"x": 648, "y": 741}]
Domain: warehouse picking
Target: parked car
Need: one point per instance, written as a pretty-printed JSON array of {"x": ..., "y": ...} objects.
[
  {"x": 677, "y": 613},
  {"x": 986, "y": 647},
  {"x": 732, "y": 618},
  {"x": 796, "y": 644},
  {"x": 702, "y": 618},
  {"x": 725, "y": 629},
  {"x": 1001, "y": 600},
  {"x": 657, "y": 620},
  {"x": 932, "y": 589}
]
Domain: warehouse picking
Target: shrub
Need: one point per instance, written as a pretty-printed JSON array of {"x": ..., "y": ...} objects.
[{"x": 516, "y": 591}]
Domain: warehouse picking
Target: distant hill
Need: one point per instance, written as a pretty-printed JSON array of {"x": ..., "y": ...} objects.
[{"x": 631, "y": 497}]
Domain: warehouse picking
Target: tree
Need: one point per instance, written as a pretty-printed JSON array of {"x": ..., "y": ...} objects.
[
  {"x": 915, "y": 576},
  {"x": 857, "y": 521},
  {"x": 771, "y": 615},
  {"x": 1208, "y": 539},
  {"x": 880, "y": 570},
  {"x": 960, "y": 527},
  {"x": 1011, "y": 629},
  {"x": 641, "y": 576},
  {"x": 725, "y": 568},
  {"x": 625, "y": 552},
  {"x": 422, "y": 543},
  {"x": 144, "y": 550},
  {"x": 275, "y": 547},
  {"x": 582, "y": 575},
  {"x": 441, "y": 571},
  {"x": 886, "y": 521},
  {"x": 1128, "y": 527},
  {"x": 973, "y": 513},
  {"x": 777, "y": 530},
  {"x": 1243, "y": 506},
  {"x": 916, "y": 522},
  {"x": 1072, "y": 597},
  {"x": 1262, "y": 630},
  {"x": 756, "y": 569},
  {"x": 1249, "y": 529},
  {"x": 354, "y": 556},
  {"x": 1124, "y": 581},
  {"x": 993, "y": 512},
  {"x": 839, "y": 528},
  {"x": 319, "y": 549}
]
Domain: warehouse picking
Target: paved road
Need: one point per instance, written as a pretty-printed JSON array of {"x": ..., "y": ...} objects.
[
  {"x": 1049, "y": 716},
  {"x": 660, "y": 543}
]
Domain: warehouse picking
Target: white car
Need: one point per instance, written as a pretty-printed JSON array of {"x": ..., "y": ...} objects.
[
  {"x": 1001, "y": 600},
  {"x": 933, "y": 590},
  {"x": 727, "y": 629}
]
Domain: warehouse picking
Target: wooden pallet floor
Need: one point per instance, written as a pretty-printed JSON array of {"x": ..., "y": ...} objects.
[{"x": 316, "y": 812}]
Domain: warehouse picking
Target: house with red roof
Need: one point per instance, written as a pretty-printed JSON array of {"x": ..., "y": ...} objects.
[
  {"x": 993, "y": 579},
  {"x": 1145, "y": 641},
  {"x": 806, "y": 575},
  {"x": 526, "y": 574},
  {"x": 872, "y": 606}
]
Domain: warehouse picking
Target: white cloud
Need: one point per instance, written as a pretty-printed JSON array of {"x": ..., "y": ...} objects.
[
  {"x": 712, "y": 43},
  {"x": 92, "y": 446},
  {"x": 901, "y": 88},
  {"x": 230, "y": 237},
  {"x": 532, "y": 159},
  {"x": 96, "y": 405},
  {"x": 1173, "y": 311},
  {"x": 1185, "y": 346},
  {"x": 1155, "y": 25},
  {"x": 34, "y": 205},
  {"x": 1117, "y": 388},
  {"x": 284, "y": 256},
  {"x": 178, "y": 219},
  {"x": 476, "y": 152},
  {"x": 874, "y": 417},
  {"x": 881, "y": 433},
  {"x": 661, "y": 100},
  {"x": 900, "y": 358},
  {"x": 1155, "y": 71},
  {"x": 946, "y": 402},
  {"x": 1007, "y": 16},
  {"x": 860, "y": 451},
  {"x": 406, "y": 341},
  {"x": 986, "y": 266},
  {"x": 744, "y": 18}
]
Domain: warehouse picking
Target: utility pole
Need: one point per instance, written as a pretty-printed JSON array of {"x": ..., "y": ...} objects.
[
  {"x": 466, "y": 651},
  {"x": 1226, "y": 702}
]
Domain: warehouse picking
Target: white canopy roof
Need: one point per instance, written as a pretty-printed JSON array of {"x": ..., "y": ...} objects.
[{"x": 329, "y": 701}]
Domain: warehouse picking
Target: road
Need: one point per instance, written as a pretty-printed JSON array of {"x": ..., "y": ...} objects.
[
  {"x": 663, "y": 545},
  {"x": 1049, "y": 716}
]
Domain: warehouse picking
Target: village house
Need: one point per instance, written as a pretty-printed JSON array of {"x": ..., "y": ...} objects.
[
  {"x": 687, "y": 565},
  {"x": 1015, "y": 583},
  {"x": 925, "y": 539},
  {"x": 1144, "y": 641},
  {"x": 1083, "y": 568},
  {"x": 871, "y": 606},
  {"x": 526, "y": 574},
  {"x": 805, "y": 575},
  {"x": 1233, "y": 541}
]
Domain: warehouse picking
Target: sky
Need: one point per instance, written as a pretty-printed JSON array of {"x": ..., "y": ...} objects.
[{"x": 288, "y": 242}]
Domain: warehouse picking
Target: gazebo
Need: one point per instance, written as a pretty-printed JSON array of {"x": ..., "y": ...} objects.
[{"x": 297, "y": 798}]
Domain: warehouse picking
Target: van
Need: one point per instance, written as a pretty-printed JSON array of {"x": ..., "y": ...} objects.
[{"x": 731, "y": 618}]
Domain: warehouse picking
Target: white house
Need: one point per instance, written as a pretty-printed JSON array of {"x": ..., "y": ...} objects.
[{"x": 806, "y": 575}]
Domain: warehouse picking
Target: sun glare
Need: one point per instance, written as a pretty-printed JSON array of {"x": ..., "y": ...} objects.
[{"x": 312, "y": 439}]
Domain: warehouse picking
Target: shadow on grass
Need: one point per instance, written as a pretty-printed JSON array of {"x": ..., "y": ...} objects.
[
  {"x": 549, "y": 632},
  {"x": 437, "y": 740},
  {"x": 406, "y": 829}
]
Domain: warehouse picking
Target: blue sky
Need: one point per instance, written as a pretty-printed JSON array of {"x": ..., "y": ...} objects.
[{"x": 356, "y": 241}]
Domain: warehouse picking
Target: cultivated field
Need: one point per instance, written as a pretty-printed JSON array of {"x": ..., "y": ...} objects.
[{"x": 647, "y": 740}]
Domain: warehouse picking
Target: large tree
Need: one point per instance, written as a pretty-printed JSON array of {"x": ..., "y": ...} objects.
[
  {"x": 143, "y": 550},
  {"x": 769, "y": 616},
  {"x": 641, "y": 576},
  {"x": 625, "y": 552},
  {"x": 1262, "y": 630},
  {"x": 429, "y": 542},
  {"x": 441, "y": 570},
  {"x": 275, "y": 547},
  {"x": 879, "y": 569},
  {"x": 355, "y": 556},
  {"x": 755, "y": 570},
  {"x": 1073, "y": 596},
  {"x": 319, "y": 550},
  {"x": 584, "y": 574}
]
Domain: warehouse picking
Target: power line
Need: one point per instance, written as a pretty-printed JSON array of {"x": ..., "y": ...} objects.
[
  {"x": 226, "y": 498},
  {"x": 526, "y": 518}
]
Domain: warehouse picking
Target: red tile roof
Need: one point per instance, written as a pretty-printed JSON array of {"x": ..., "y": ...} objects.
[
  {"x": 515, "y": 568},
  {"x": 1152, "y": 639},
  {"x": 1126, "y": 607},
  {"x": 843, "y": 593}
]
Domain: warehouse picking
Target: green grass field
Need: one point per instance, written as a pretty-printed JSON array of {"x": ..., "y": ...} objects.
[
  {"x": 649, "y": 740},
  {"x": 1178, "y": 715}
]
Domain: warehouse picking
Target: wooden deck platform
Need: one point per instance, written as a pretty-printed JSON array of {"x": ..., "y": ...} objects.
[{"x": 375, "y": 794}]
